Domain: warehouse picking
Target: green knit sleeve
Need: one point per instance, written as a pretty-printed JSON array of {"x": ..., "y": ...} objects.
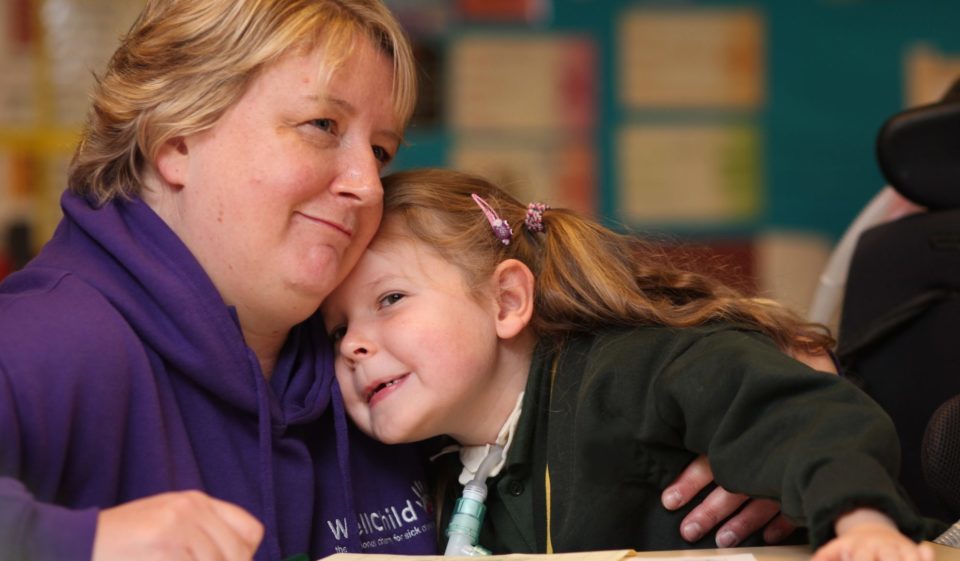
[{"x": 774, "y": 428}]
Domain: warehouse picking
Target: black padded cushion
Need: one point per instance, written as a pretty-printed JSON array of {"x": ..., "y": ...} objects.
[
  {"x": 940, "y": 454},
  {"x": 919, "y": 152}
]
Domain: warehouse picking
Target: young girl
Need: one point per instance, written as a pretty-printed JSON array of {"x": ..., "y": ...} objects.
[{"x": 600, "y": 372}]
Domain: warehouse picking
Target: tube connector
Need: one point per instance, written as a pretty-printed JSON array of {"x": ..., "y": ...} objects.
[
  {"x": 463, "y": 531},
  {"x": 464, "y": 528}
]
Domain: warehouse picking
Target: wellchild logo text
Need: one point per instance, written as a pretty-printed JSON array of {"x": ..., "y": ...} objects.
[{"x": 389, "y": 525}]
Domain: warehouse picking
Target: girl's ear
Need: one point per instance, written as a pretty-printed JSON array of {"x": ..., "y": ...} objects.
[
  {"x": 513, "y": 282},
  {"x": 171, "y": 161}
]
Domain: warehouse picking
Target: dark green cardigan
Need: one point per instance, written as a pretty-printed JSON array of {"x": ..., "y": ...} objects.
[{"x": 628, "y": 409}]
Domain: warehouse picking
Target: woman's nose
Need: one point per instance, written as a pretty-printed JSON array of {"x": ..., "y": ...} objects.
[{"x": 359, "y": 177}]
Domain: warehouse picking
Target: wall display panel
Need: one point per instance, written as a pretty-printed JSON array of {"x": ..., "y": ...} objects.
[
  {"x": 929, "y": 73},
  {"x": 521, "y": 83},
  {"x": 691, "y": 58},
  {"x": 18, "y": 65},
  {"x": 529, "y": 11},
  {"x": 689, "y": 173},
  {"x": 556, "y": 170},
  {"x": 784, "y": 263},
  {"x": 78, "y": 38},
  {"x": 423, "y": 17}
]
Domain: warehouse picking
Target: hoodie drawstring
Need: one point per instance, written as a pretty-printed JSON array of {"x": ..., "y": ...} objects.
[
  {"x": 343, "y": 459},
  {"x": 267, "y": 493}
]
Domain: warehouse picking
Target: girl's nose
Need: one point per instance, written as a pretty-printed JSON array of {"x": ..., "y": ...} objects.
[{"x": 356, "y": 347}]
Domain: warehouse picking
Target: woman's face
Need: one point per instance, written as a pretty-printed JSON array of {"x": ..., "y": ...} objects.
[{"x": 281, "y": 196}]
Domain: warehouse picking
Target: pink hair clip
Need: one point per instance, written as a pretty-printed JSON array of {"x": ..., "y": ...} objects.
[
  {"x": 500, "y": 227},
  {"x": 534, "y": 218}
]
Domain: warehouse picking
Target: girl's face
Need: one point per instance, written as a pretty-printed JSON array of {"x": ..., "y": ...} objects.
[
  {"x": 280, "y": 197},
  {"x": 417, "y": 354}
]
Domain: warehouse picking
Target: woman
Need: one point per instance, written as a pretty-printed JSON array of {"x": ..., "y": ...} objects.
[{"x": 164, "y": 341}]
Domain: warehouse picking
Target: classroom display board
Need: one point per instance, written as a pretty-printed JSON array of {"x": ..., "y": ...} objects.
[{"x": 745, "y": 125}]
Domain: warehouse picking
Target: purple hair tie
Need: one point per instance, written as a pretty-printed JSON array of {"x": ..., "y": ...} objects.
[
  {"x": 534, "y": 218},
  {"x": 500, "y": 227}
]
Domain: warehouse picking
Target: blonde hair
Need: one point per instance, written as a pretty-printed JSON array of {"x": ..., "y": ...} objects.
[
  {"x": 587, "y": 277},
  {"x": 185, "y": 62}
]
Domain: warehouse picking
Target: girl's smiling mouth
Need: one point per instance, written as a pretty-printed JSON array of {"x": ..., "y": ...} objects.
[{"x": 380, "y": 390}]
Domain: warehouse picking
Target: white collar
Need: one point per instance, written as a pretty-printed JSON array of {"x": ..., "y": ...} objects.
[{"x": 472, "y": 456}]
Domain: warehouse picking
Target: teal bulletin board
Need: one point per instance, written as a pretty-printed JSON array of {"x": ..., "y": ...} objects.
[{"x": 830, "y": 73}]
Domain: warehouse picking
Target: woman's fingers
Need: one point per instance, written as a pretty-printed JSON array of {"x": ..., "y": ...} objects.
[
  {"x": 721, "y": 505},
  {"x": 186, "y": 525}
]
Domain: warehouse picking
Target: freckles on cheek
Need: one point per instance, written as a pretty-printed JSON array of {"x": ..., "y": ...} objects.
[
  {"x": 288, "y": 168},
  {"x": 261, "y": 185}
]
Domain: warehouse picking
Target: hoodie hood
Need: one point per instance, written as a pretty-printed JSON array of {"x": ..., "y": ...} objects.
[{"x": 144, "y": 270}]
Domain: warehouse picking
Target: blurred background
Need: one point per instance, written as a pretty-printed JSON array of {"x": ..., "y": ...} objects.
[{"x": 740, "y": 131}]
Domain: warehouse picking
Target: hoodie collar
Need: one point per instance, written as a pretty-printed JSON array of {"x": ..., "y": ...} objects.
[{"x": 141, "y": 266}]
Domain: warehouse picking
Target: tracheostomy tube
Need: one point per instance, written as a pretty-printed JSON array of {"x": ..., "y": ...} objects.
[{"x": 463, "y": 531}]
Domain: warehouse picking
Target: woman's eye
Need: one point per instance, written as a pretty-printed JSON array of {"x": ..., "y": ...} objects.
[
  {"x": 390, "y": 299},
  {"x": 382, "y": 155},
  {"x": 328, "y": 125}
]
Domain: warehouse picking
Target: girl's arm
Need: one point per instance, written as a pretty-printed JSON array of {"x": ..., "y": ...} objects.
[
  {"x": 721, "y": 506},
  {"x": 868, "y": 535},
  {"x": 824, "y": 444}
]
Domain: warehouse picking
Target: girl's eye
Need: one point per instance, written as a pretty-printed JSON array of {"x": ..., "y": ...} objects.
[
  {"x": 382, "y": 155},
  {"x": 390, "y": 299},
  {"x": 328, "y": 125},
  {"x": 337, "y": 334}
]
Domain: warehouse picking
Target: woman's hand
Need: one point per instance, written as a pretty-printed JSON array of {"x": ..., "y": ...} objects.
[
  {"x": 180, "y": 526},
  {"x": 868, "y": 535},
  {"x": 718, "y": 506}
]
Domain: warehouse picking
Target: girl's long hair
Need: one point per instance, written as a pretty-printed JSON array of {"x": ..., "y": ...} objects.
[{"x": 588, "y": 277}]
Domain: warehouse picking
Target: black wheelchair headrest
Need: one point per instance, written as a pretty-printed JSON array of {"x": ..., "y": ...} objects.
[{"x": 919, "y": 152}]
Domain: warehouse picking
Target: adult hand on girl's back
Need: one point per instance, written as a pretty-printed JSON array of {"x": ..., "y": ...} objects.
[
  {"x": 719, "y": 506},
  {"x": 185, "y": 525}
]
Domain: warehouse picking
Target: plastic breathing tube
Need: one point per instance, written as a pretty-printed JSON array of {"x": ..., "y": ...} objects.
[{"x": 463, "y": 531}]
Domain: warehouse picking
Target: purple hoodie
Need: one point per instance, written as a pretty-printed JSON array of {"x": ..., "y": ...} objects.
[{"x": 123, "y": 374}]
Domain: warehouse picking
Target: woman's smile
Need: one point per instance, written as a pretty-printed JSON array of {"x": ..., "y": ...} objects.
[{"x": 343, "y": 229}]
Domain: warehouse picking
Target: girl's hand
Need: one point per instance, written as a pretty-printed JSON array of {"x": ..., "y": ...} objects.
[{"x": 868, "y": 535}]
